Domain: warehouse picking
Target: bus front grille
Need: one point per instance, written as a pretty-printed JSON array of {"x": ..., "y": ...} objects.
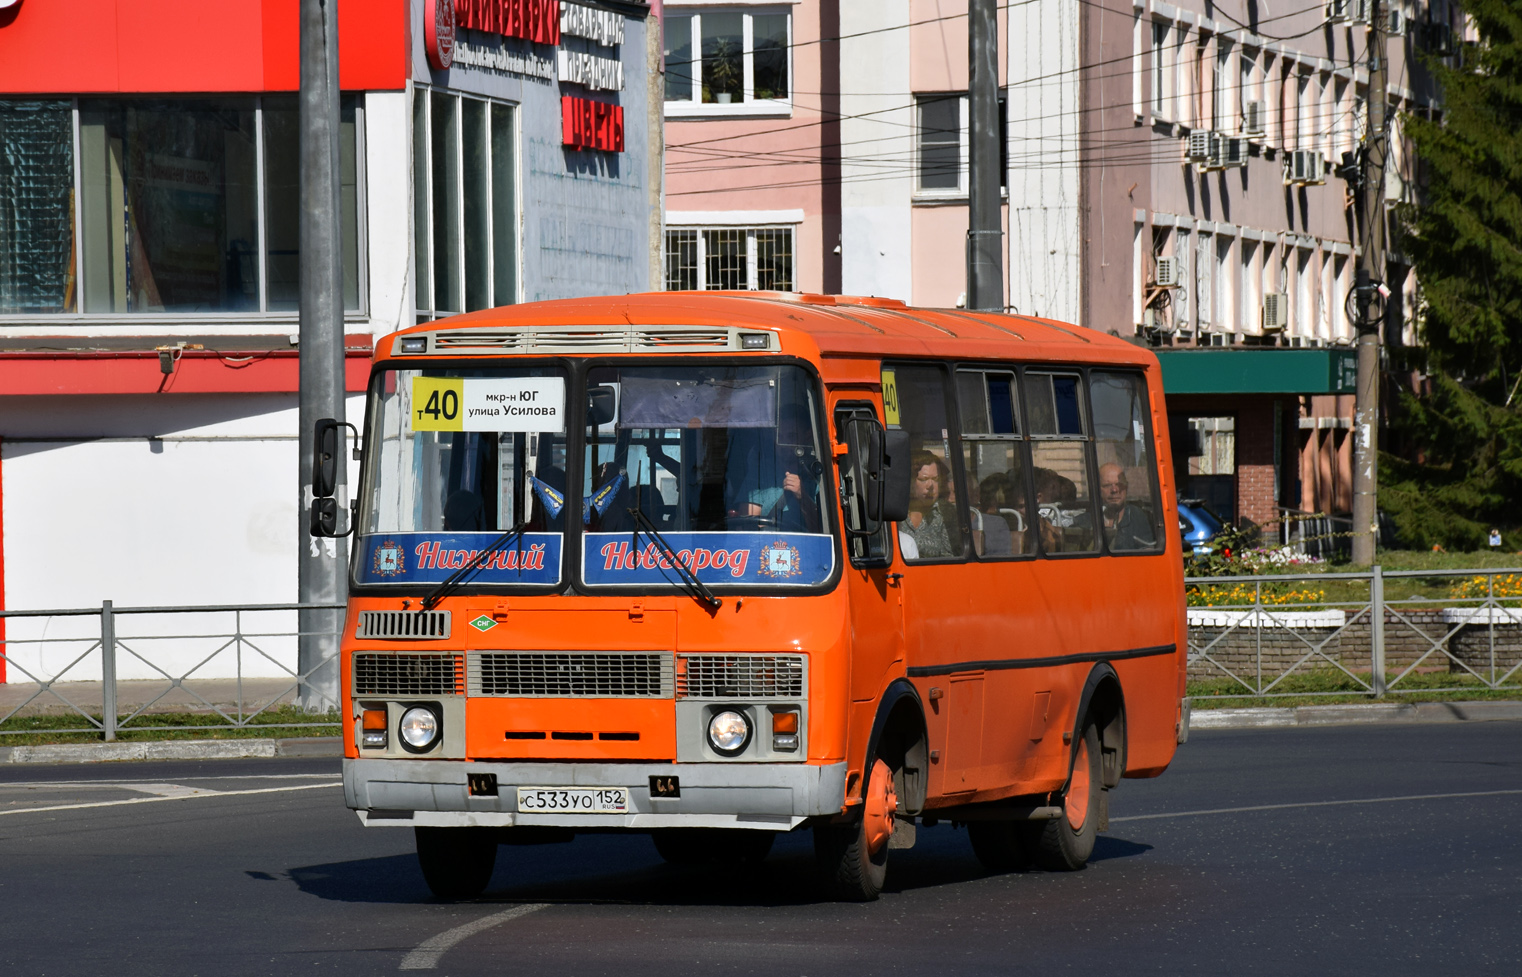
[
  {"x": 571, "y": 674},
  {"x": 402, "y": 625},
  {"x": 740, "y": 677},
  {"x": 387, "y": 674}
]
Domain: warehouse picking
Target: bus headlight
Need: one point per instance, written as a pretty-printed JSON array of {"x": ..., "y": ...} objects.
[
  {"x": 728, "y": 733},
  {"x": 419, "y": 728}
]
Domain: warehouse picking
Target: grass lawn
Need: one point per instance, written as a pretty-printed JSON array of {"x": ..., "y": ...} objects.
[
  {"x": 286, "y": 721},
  {"x": 1329, "y": 686}
]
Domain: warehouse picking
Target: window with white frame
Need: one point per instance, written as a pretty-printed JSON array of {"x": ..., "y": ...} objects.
[
  {"x": 1302, "y": 322},
  {"x": 1224, "y": 281},
  {"x": 1204, "y": 286},
  {"x": 465, "y": 203},
  {"x": 1161, "y": 87},
  {"x": 1304, "y": 122},
  {"x": 1250, "y": 285},
  {"x": 1222, "y": 89},
  {"x": 940, "y": 122},
  {"x": 730, "y": 258},
  {"x": 720, "y": 62},
  {"x": 1180, "y": 297},
  {"x": 1248, "y": 68},
  {"x": 163, "y": 206}
]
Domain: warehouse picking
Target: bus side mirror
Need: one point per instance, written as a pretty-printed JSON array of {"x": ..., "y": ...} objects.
[
  {"x": 324, "y": 518},
  {"x": 602, "y": 406},
  {"x": 327, "y": 443},
  {"x": 893, "y": 504}
]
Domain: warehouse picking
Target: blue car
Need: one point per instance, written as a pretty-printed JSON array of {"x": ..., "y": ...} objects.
[{"x": 1197, "y": 524}]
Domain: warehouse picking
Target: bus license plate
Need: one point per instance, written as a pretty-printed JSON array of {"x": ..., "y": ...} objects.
[{"x": 573, "y": 800}]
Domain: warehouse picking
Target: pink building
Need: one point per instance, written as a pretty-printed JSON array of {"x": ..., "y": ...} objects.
[{"x": 1173, "y": 174}]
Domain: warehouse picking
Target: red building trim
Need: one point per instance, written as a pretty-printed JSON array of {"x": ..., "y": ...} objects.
[{"x": 140, "y": 372}]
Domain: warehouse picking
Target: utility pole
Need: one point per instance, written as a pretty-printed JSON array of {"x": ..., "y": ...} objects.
[
  {"x": 985, "y": 233},
  {"x": 322, "y": 564},
  {"x": 1371, "y": 274}
]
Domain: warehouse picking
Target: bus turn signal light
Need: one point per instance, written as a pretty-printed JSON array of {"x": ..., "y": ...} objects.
[
  {"x": 784, "y": 731},
  {"x": 373, "y": 727}
]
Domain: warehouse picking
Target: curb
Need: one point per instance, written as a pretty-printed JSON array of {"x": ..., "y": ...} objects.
[
  {"x": 315, "y": 746},
  {"x": 1374, "y": 712}
]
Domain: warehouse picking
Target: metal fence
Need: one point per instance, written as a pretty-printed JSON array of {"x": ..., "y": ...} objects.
[
  {"x": 231, "y": 664},
  {"x": 1376, "y": 633}
]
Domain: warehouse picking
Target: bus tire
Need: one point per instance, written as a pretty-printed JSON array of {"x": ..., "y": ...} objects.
[
  {"x": 457, "y": 862},
  {"x": 1064, "y": 844},
  {"x": 1001, "y": 846},
  {"x": 853, "y": 858},
  {"x": 697, "y": 846}
]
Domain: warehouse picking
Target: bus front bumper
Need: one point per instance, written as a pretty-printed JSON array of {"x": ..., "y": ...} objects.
[{"x": 434, "y": 793}]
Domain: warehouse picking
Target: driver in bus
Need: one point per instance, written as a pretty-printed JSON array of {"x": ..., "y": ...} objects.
[{"x": 793, "y": 505}]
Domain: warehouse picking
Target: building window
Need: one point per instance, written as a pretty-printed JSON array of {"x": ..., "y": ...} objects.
[
  {"x": 730, "y": 258},
  {"x": 1159, "y": 75},
  {"x": 724, "y": 61},
  {"x": 164, "y": 206},
  {"x": 465, "y": 203},
  {"x": 941, "y": 153}
]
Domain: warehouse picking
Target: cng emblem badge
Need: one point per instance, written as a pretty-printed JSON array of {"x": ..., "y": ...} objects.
[{"x": 483, "y": 623}]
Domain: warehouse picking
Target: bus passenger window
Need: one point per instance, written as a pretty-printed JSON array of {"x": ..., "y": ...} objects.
[
  {"x": 1127, "y": 469},
  {"x": 992, "y": 456},
  {"x": 933, "y": 530},
  {"x": 1059, "y": 459}
]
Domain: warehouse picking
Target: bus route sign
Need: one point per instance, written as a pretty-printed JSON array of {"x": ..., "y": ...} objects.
[{"x": 501, "y": 404}]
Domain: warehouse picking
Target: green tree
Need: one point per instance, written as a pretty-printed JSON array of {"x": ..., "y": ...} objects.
[{"x": 1459, "y": 470}]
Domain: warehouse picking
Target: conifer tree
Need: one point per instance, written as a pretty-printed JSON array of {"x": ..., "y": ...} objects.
[{"x": 1460, "y": 472}]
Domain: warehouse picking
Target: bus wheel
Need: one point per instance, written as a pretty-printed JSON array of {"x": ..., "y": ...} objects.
[
  {"x": 1000, "y": 845},
  {"x": 456, "y": 862},
  {"x": 1064, "y": 844},
  {"x": 854, "y": 858},
  {"x": 696, "y": 846}
]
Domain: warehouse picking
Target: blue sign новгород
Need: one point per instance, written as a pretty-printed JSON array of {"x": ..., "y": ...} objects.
[
  {"x": 425, "y": 558},
  {"x": 788, "y": 559}
]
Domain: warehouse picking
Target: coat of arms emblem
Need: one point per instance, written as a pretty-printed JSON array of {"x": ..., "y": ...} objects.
[
  {"x": 779, "y": 561},
  {"x": 389, "y": 561}
]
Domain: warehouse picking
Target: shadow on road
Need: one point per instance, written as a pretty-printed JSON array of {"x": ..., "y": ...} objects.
[{"x": 624, "y": 869}]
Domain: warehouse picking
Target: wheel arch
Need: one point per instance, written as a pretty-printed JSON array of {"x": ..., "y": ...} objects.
[
  {"x": 899, "y": 733},
  {"x": 1104, "y": 702}
]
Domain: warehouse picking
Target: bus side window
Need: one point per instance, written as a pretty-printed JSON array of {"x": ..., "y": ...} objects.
[
  {"x": 1127, "y": 463},
  {"x": 933, "y": 531},
  {"x": 994, "y": 460},
  {"x": 1054, "y": 405}
]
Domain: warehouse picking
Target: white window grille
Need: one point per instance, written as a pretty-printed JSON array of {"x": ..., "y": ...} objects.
[{"x": 730, "y": 258}]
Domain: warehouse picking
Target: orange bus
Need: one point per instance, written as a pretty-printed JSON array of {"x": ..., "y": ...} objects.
[{"x": 716, "y": 566}]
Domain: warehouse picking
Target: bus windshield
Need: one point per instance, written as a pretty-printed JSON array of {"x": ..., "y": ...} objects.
[
  {"x": 724, "y": 462},
  {"x": 457, "y": 458}
]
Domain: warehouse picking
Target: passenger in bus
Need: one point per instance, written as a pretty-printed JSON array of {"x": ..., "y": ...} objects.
[
  {"x": 793, "y": 503},
  {"x": 1052, "y": 490},
  {"x": 928, "y": 507},
  {"x": 1127, "y": 525},
  {"x": 990, "y": 533},
  {"x": 998, "y": 499}
]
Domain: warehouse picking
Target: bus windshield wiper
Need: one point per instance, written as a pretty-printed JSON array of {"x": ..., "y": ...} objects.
[
  {"x": 697, "y": 588},
  {"x": 458, "y": 577}
]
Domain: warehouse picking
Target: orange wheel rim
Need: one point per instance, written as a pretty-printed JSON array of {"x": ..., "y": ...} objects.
[
  {"x": 882, "y": 801},
  {"x": 1076, "y": 803}
]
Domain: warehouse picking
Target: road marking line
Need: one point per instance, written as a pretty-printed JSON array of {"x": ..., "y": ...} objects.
[
  {"x": 1281, "y": 807},
  {"x": 169, "y": 790},
  {"x": 116, "y": 783},
  {"x": 171, "y": 797},
  {"x": 427, "y": 954}
]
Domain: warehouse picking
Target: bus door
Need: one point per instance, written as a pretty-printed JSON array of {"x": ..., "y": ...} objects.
[{"x": 875, "y": 592}]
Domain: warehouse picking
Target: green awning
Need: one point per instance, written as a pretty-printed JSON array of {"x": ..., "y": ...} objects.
[{"x": 1259, "y": 371}]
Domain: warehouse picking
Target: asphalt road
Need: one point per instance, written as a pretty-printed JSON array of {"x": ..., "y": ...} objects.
[{"x": 1337, "y": 850}]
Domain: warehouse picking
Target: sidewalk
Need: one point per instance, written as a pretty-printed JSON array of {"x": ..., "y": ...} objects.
[{"x": 1371, "y": 712}]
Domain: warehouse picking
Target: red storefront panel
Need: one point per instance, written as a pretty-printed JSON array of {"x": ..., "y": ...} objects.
[{"x": 83, "y": 46}]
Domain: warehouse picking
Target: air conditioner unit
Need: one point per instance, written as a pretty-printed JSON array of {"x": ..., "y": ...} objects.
[
  {"x": 1227, "y": 151},
  {"x": 1362, "y": 11},
  {"x": 1167, "y": 273},
  {"x": 1305, "y": 167},
  {"x": 1149, "y": 319},
  {"x": 1253, "y": 117},
  {"x": 1198, "y": 148},
  {"x": 1275, "y": 311},
  {"x": 1339, "y": 11}
]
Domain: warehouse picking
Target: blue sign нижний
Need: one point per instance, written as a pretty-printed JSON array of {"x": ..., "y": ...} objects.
[
  {"x": 425, "y": 558},
  {"x": 790, "y": 559}
]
